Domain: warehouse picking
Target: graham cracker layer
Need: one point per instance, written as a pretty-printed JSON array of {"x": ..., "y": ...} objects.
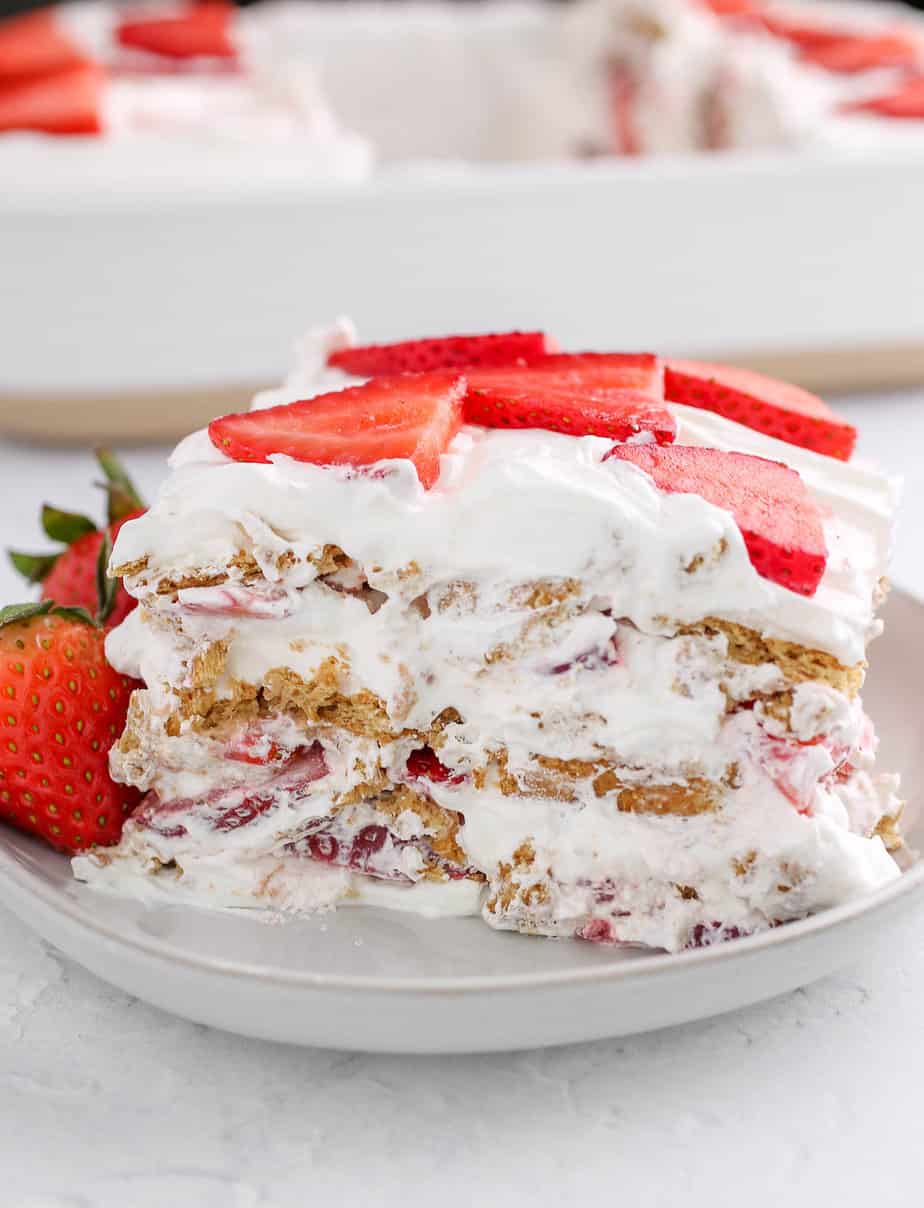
[
  {"x": 798, "y": 664},
  {"x": 519, "y": 882},
  {"x": 888, "y": 828},
  {"x": 242, "y": 567},
  {"x": 559, "y": 780}
]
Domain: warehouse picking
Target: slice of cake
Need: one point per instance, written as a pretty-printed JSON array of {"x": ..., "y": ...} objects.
[
  {"x": 509, "y": 631},
  {"x": 689, "y": 75}
]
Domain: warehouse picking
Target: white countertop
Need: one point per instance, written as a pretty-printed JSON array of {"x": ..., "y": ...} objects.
[{"x": 814, "y": 1098}]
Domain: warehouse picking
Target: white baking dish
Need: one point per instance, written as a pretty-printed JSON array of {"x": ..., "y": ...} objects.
[{"x": 134, "y": 303}]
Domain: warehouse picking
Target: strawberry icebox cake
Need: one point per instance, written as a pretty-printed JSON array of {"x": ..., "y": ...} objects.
[{"x": 571, "y": 642}]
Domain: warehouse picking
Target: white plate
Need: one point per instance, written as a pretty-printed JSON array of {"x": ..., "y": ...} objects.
[{"x": 387, "y": 982}]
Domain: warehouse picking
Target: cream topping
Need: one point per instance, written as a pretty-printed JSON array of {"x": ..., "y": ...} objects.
[{"x": 517, "y": 505}]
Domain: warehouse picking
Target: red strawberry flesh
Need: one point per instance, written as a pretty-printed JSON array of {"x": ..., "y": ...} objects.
[
  {"x": 69, "y": 102},
  {"x": 906, "y": 101},
  {"x": 412, "y": 417},
  {"x": 202, "y": 30},
  {"x": 425, "y": 764},
  {"x": 775, "y": 408},
  {"x": 616, "y": 414},
  {"x": 615, "y": 395},
  {"x": 445, "y": 352},
  {"x": 627, "y": 370},
  {"x": 807, "y": 35},
  {"x": 850, "y": 54},
  {"x": 778, "y": 519},
  {"x": 34, "y": 44}
]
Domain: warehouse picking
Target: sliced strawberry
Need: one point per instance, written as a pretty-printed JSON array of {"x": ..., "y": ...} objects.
[
  {"x": 33, "y": 44},
  {"x": 778, "y": 519},
  {"x": 616, "y": 414},
  {"x": 732, "y": 8},
  {"x": 202, "y": 30},
  {"x": 445, "y": 352},
  {"x": 617, "y": 395},
  {"x": 851, "y": 54},
  {"x": 762, "y": 403},
  {"x": 412, "y": 417},
  {"x": 907, "y": 101},
  {"x": 66, "y": 103},
  {"x": 625, "y": 370},
  {"x": 844, "y": 50},
  {"x": 804, "y": 34}
]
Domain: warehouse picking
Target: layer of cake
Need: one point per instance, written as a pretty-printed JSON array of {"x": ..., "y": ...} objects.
[
  {"x": 563, "y": 679},
  {"x": 514, "y": 507},
  {"x": 274, "y": 809}
]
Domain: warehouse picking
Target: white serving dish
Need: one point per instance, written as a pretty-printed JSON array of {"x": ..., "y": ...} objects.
[
  {"x": 381, "y": 981},
  {"x": 139, "y": 302}
]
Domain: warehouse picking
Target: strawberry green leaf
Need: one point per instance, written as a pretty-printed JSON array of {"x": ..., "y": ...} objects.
[
  {"x": 23, "y": 612},
  {"x": 12, "y": 613},
  {"x": 105, "y": 587},
  {"x": 122, "y": 492},
  {"x": 74, "y": 614},
  {"x": 65, "y": 526},
  {"x": 33, "y": 567}
]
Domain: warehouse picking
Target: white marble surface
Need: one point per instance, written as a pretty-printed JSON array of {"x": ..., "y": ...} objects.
[{"x": 815, "y": 1098}]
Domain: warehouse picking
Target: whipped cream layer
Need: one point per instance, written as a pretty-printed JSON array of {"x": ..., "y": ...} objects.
[{"x": 513, "y": 506}]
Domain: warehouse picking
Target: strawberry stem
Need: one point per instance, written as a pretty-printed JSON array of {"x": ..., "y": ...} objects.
[
  {"x": 105, "y": 587},
  {"x": 122, "y": 494}
]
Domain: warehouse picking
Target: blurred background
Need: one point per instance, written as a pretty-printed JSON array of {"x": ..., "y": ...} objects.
[{"x": 188, "y": 186}]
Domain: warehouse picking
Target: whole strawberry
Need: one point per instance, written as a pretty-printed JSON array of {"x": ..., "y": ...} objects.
[
  {"x": 62, "y": 706},
  {"x": 69, "y": 576}
]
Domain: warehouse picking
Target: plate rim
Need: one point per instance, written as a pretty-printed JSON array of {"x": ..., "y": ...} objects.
[
  {"x": 16, "y": 872},
  {"x": 650, "y": 966}
]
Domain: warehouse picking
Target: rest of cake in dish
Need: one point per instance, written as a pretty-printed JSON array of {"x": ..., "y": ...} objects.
[
  {"x": 511, "y": 79},
  {"x": 723, "y": 74},
  {"x": 573, "y": 642}
]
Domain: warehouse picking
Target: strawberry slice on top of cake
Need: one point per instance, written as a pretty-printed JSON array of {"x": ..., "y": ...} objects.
[{"x": 572, "y": 642}]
